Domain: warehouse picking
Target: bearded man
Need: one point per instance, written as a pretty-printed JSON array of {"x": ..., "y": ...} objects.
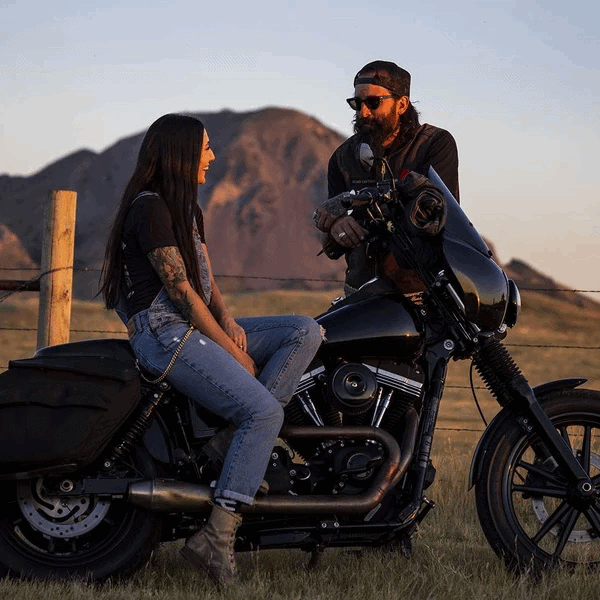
[{"x": 386, "y": 120}]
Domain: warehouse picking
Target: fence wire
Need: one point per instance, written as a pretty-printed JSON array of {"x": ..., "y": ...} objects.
[{"x": 286, "y": 279}]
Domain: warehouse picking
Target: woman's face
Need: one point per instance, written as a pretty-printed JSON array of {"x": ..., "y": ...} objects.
[{"x": 206, "y": 157}]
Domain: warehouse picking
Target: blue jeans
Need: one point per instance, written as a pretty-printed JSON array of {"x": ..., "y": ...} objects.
[{"x": 281, "y": 346}]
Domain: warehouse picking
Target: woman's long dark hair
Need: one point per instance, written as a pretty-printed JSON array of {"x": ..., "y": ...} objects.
[{"x": 167, "y": 165}]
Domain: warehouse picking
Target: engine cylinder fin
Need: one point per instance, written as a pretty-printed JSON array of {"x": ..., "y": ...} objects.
[
  {"x": 396, "y": 412},
  {"x": 294, "y": 414},
  {"x": 331, "y": 416},
  {"x": 398, "y": 382}
]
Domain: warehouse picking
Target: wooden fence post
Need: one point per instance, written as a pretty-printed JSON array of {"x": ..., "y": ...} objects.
[{"x": 54, "y": 315}]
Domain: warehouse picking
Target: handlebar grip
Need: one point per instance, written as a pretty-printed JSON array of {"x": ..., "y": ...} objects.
[
  {"x": 347, "y": 200},
  {"x": 366, "y": 196}
]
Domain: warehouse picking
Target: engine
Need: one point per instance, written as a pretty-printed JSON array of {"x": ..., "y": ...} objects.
[{"x": 374, "y": 393}]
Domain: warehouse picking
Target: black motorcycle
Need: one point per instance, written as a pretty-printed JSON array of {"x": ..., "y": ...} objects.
[{"x": 353, "y": 460}]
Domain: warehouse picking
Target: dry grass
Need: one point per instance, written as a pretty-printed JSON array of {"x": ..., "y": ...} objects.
[{"x": 451, "y": 558}]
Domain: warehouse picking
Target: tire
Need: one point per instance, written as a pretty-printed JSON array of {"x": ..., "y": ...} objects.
[
  {"x": 525, "y": 505},
  {"x": 98, "y": 538}
]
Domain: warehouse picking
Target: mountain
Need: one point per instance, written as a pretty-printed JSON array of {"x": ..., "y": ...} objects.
[
  {"x": 527, "y": 278},
  {"x": 15, "y": 263},
  {"x": 261, "y": 191},
  {"x": 12, "y": 253},
  {"x": 269, "y": 174}
]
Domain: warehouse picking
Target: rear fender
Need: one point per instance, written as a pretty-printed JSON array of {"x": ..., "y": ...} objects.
[{"x": 507, "y": 414}]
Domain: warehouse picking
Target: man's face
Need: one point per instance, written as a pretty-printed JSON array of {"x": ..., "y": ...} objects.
[{"x": 378, "y": 127}]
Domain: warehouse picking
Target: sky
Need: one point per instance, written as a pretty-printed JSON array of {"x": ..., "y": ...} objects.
[{"x": 516, "y": 82}]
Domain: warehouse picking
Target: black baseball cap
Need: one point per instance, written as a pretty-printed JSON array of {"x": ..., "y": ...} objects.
[{"x": 386, "y": 74}]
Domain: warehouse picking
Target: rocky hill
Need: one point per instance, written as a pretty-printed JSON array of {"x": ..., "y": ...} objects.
[
  {"x": 260, "y": 194},
  {"x": 527, "y": 278},
  {"x": 269, "y": 174}
]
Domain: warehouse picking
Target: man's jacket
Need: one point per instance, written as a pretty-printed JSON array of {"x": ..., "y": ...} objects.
[{"x": 430, "y": 146}]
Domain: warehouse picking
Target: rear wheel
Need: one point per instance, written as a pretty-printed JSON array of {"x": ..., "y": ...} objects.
[
  {"x": 531, "y": 515},
  {"x": 43, "y": 535}
]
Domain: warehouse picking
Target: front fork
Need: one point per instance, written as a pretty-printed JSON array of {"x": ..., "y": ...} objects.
[
  {"x": 505, "y": 381},
  {"x": 437, "y": 361}
]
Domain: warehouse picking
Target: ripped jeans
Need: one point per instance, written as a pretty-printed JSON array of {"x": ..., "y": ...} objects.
[{"x": 282, "y": 346}]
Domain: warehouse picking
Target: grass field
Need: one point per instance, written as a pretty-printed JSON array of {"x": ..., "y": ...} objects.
[{"x": 451, "y": 557}]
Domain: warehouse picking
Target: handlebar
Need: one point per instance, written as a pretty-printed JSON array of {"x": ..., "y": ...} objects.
[
  {"x": 362, "y": 198},
  {"x": 370, "y": 195}
]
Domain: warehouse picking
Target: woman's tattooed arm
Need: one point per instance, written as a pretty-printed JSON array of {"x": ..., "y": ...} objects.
[{"x": 169, "y": 265}]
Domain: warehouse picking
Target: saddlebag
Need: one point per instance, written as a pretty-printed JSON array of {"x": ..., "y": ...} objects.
[{"x": 59, "y": 413}]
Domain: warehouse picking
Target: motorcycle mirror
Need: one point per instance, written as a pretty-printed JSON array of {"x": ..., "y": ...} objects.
[{"x": 366, "y": 156}]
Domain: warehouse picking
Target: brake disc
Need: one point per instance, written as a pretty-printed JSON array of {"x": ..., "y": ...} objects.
[{"x": 60, "y": 517}]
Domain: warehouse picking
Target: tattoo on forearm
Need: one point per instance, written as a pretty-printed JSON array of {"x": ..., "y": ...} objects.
[
  {"x": 184, "y": 305},
  {"x": 169, "y": 265}
]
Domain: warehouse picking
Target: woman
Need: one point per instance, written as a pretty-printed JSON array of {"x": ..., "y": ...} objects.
[{"x": 245, "y": 371}]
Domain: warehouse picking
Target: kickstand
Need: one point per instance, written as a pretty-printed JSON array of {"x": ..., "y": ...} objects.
[{"x": 315, "y": 557}]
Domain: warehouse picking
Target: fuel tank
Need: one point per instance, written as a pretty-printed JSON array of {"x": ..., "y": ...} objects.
[{"x": 374, "y": 321}]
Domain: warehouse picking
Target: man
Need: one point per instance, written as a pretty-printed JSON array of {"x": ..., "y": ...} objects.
[{"x": 387, "y": 121}]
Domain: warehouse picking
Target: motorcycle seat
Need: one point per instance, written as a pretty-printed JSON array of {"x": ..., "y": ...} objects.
[{"x": 117, "y": 349}]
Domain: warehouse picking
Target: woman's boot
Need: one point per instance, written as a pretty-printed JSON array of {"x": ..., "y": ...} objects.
[{"x": 211, "y": 548}]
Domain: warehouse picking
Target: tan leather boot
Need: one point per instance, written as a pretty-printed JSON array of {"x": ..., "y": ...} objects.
[{"x": 211, "y": 549}]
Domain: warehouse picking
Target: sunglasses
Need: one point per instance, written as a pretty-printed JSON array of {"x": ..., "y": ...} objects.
[{"x": 371, "y": 102}]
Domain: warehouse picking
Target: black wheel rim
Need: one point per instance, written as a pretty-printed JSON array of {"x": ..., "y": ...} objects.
[{"x": 543, "y": 511}]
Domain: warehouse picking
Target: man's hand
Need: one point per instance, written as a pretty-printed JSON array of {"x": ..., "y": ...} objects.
[
  {"x": 330, "y": 210},
  {"x": 347, "y": 232}
]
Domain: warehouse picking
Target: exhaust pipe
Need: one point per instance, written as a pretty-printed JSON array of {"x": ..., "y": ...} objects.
[{"x": 176, "y": 496}]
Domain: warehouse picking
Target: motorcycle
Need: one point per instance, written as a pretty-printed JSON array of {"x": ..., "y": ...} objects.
[{"x": 353, "y": 459}]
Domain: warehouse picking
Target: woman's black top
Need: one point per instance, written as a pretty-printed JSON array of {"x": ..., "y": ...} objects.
[{"x": 147, "y": 226}]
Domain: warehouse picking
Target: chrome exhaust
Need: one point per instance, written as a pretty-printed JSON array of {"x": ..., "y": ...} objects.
[{"x": 174, "y": 496}]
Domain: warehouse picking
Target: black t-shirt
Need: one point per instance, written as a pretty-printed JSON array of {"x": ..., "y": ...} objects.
[{"x": 147, "y": 226}]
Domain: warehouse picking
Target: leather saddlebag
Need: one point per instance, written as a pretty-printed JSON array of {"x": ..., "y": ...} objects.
[{"x": 60, "y": 413}]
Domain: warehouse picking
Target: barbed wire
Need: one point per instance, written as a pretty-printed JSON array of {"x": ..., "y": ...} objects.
[
  {"x": 273, "y": 278},
  {"x": 515, "y": 345},
  {"x": 86, "y": 269},
  {"x": 28, "y": 283}
]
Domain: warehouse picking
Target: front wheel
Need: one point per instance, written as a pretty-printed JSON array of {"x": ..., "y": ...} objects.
[{"x": 528, "y": 510}]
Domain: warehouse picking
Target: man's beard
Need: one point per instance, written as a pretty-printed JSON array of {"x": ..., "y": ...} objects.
[{"x": 374, "y": 131}]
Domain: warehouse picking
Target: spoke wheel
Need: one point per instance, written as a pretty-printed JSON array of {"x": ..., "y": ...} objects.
[
  {"x": 45, "y": 536},
  {"x": 530, "y": 513}
]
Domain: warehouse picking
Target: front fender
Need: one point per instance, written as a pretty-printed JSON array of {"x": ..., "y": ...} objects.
[{"x": 508, "y": 414}]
